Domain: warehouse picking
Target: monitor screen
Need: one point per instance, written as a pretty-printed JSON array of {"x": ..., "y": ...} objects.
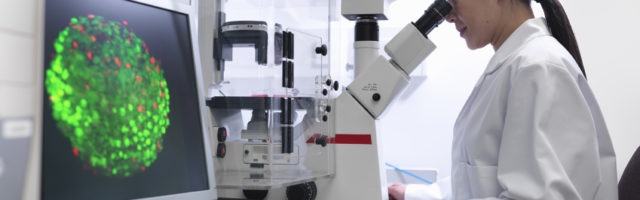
[{"x": 121, "y": 116}]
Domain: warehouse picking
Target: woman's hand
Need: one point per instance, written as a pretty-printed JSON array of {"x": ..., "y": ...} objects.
[{"x": 396, "y": 191}]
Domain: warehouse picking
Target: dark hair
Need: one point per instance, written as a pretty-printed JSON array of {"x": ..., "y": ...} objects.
[{"x": 558, "y": 22}]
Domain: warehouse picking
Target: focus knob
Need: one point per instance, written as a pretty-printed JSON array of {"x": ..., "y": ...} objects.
[{"x": 304, "y": 191}]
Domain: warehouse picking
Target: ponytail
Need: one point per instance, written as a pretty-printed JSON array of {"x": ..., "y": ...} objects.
[{"x": 560, "y": 27}]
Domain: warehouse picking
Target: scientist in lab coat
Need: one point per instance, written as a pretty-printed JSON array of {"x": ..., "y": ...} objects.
[{"x": 531, "y": 128}]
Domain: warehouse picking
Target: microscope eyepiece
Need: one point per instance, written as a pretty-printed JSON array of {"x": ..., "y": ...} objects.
[{"x": 433, "y": 16}]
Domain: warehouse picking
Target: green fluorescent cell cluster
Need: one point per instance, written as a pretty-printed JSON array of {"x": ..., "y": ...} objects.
[{"x": 108, "y": 96}]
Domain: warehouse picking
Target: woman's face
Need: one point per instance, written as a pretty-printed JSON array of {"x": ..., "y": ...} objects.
[{"x": 476, "y": 20}]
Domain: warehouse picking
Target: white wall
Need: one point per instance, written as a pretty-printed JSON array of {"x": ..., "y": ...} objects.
[
  {"x": 609, "y": 36},
  {"x": 418, "y": 128}
]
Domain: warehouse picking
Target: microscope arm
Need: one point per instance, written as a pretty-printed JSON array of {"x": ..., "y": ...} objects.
[{"x": 383, "y": 80}]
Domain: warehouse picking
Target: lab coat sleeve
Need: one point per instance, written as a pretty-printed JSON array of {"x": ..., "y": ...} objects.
[
  {"x": 422, "y": 192},
  {"x": 438, "y": 190},
  {"x": 548, "y": 148}
]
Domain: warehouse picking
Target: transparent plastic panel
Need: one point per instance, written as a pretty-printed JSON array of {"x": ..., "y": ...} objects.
[{"x": 269, "y": 97}]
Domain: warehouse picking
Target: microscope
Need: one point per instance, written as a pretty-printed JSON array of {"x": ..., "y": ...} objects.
[
  {"x": 360, "y": 171},
  {"x": 314, "y": 145}
]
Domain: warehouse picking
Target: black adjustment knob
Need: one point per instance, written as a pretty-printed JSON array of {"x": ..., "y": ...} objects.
[
  {"x": 303, "y": 191},
  {"x": 336, "y": 86},
  {"x": 325, "y": 118},
  {"x": 255, "y": 194},
  {"x": 328, "y": 82},
  {"x": 376, "y": 97},
  {"x": 222, "y": 134},
  {"x": 322, "y": 140},
  {"x": 325, "y": 92},
  {"x": 327, "y": 108},
  {"x": 222, "y": 150},
  {"x": 322, "y": 50}
]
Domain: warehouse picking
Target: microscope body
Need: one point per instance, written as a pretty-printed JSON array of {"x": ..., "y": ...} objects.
[{"x": 360, "y": 169}]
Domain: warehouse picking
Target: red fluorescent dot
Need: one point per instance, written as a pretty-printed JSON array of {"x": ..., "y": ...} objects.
[
  {"x": 80, "y": 28},
  {"x": 75, "y": 151},
  {"x": 144, "y": 92},
  {"x": 75, "y": 44},
  {"x": 125, "y": 22},
  {"x": 86, "y": 85},
  {"x": 159, "y": 145},
  {"x": 118, "y": 62},
  {"x": 162, "y": 94},
  {"x": 162, "y": 84},
  {"x": 155, "y": 105},
  {"x": 153, "y": 61},
  {"x": 70, "y": 24},
  {"x": 140, "y": 108},
  {"x": 128, "y": 65},
  {"x": 100, "y": 23},
  {"x": 138, "y": 78},
  {"x": 157, "y": 68},
  {"x": 93, "y": 38},
  {"x": 89, "y": 55},
  {"x": 129, "y": 40},
  {"x": 148, "y": 69},
  {"x": 115, "y": 72},
  {"x": 155, "y": 83},
  {"x": 117, "y": 27},
  {"x": 90, "y": 16},
  {"x": 50, "y": 98},
  {"x": 133, "y": 159},
  {"x": 144, "y": 168}
]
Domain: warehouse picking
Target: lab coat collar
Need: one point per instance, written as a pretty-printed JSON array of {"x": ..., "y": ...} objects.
[{"x": 530, "y": 29}]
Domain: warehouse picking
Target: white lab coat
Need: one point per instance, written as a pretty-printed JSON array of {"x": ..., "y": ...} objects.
[{"x": 531, "y": 128}]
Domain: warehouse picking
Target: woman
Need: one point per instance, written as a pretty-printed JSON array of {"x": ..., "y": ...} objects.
[{"x": 531, "y": 128}]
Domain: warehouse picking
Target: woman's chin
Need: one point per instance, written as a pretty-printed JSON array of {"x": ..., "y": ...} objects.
[{"x": 473, "y": 45}]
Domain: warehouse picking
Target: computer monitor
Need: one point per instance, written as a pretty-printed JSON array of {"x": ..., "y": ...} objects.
[{"x": 123, "y": 104}]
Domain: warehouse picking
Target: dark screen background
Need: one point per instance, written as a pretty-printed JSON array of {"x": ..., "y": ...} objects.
[{"x": 181, "y": 165}]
